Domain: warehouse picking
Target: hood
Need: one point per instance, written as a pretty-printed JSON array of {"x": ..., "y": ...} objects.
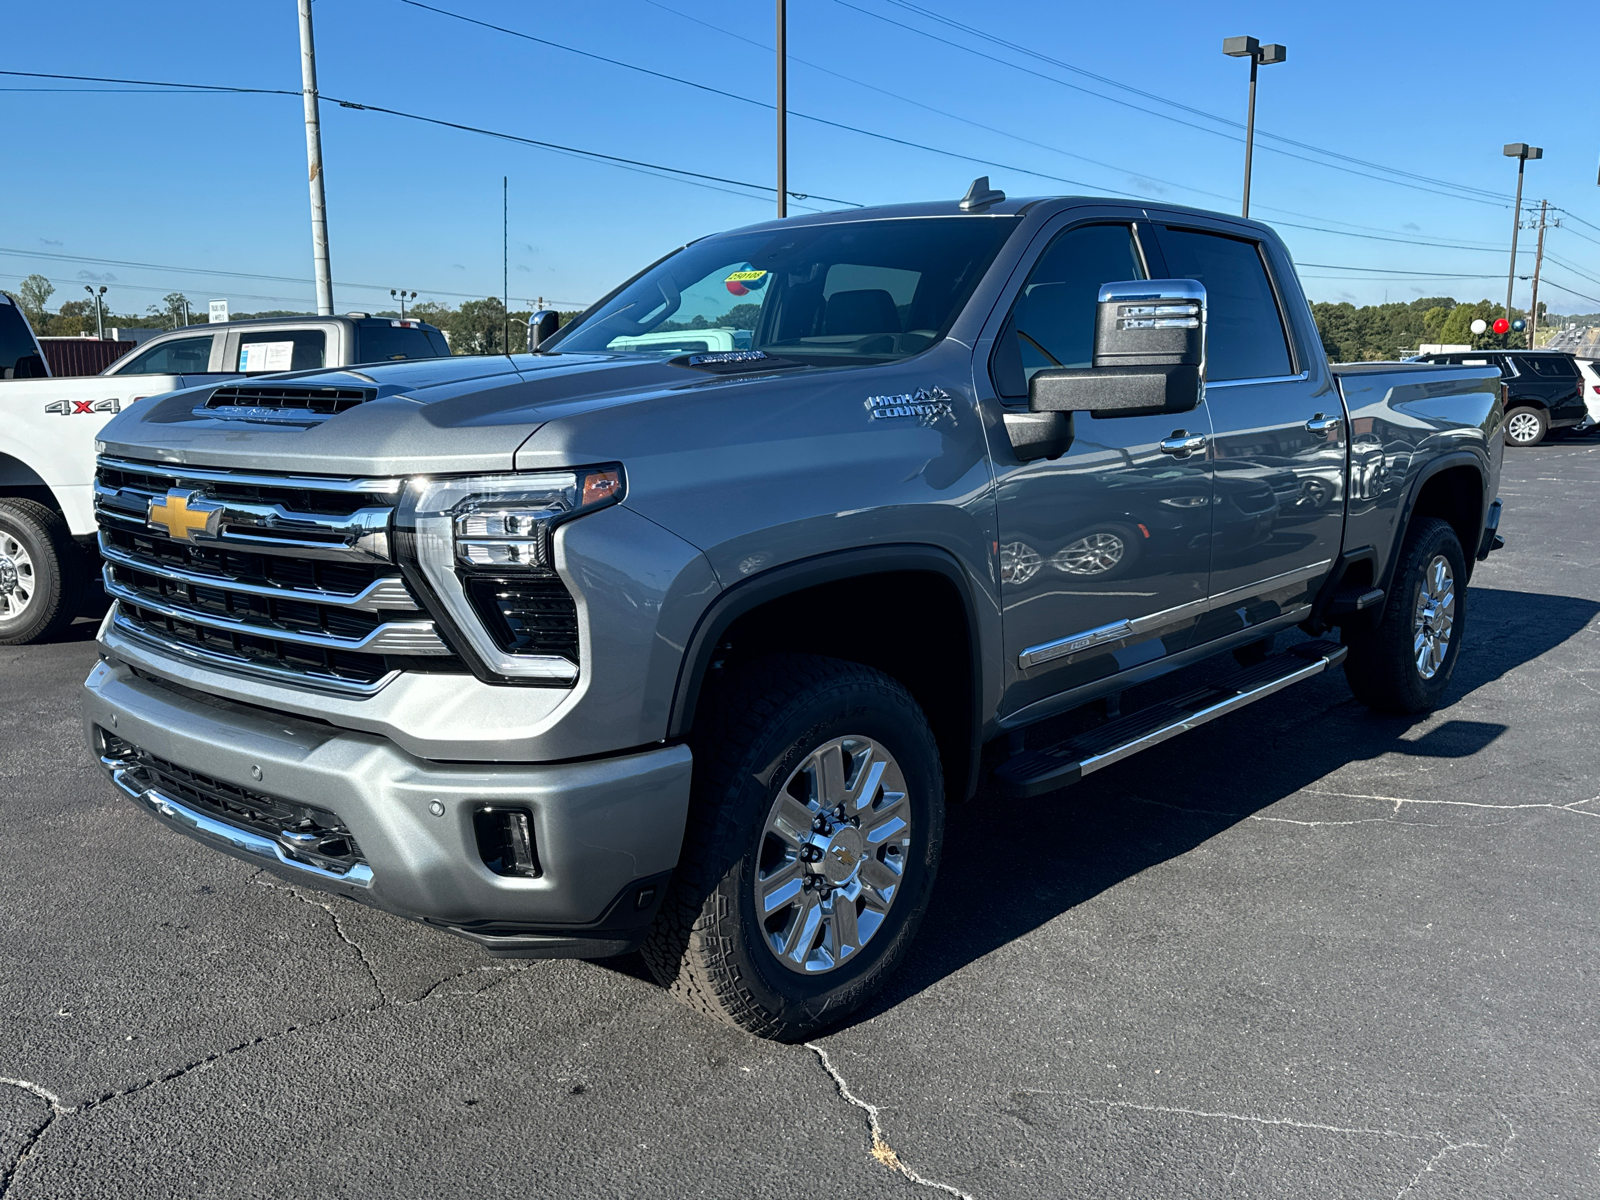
[{"x": 425, "y": 415}]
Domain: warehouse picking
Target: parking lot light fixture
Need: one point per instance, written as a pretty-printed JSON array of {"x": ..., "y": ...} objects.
[
  {"x": 1522, "y": 152},
  {"x": 1259, "y": 55}
]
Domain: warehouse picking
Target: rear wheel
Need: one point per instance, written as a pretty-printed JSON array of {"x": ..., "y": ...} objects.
[
  {"x": 1526, "y": 426},
  {"x": 41, "y": 573},
  {"x": 814, "y": 833},
  {"x": 1404, "y": 663}
]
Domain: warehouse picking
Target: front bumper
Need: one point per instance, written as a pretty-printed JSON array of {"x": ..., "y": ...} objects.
[{"x": 607, "y": 831}]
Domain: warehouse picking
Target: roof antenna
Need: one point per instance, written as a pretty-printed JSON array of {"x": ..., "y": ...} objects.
[{"x": 980, "y": 195}]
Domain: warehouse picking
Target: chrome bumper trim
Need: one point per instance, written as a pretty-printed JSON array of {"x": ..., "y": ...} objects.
[{"x": 218, "y": 833}]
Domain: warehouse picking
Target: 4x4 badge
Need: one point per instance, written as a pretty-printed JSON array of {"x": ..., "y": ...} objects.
[{"x": 184, "y": 514}]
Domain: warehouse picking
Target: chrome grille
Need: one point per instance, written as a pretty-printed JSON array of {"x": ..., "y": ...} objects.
[{"x": 292, "y": 580}]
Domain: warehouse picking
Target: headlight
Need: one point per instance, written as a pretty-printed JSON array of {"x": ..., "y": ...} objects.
[{"x": 484, "y": 544}]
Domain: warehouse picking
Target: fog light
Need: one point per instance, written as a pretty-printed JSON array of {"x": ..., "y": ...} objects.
[{"x": 505, "y": 841}]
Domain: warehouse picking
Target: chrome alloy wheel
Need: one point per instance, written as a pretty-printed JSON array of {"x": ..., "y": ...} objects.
[
  {"x": 1093, "y": 554},
  {"x": 1435, "y": 616},
  {"x": 833, "y": 852},
  {"x": 1523, "y": 428},
  {"x": 16, "y": 577}
]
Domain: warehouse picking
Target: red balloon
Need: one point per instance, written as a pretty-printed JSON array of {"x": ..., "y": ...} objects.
[{"x": 1501, "y": 325}]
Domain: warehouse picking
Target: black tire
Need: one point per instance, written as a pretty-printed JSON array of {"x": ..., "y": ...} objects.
[
  {"x": 53, "y": 574},
  {"x": 707, "y": 945},
  {"x": 1535, "y": 421},
  {"x": 1382, "y": 667}
]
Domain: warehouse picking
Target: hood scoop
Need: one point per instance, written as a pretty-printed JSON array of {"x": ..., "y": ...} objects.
[{"x": 282, "y": 404}]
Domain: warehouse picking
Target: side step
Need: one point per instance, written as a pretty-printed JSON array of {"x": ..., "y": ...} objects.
[{"x": 1035, "y": 772}]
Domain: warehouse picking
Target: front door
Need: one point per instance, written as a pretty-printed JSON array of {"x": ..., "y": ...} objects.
[
  {"x": 1279, "y": 440},
  {"x": 1104, "y": 551}
]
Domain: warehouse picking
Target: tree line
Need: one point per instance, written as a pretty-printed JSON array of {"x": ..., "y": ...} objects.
[
  {"x": 1388, "y": 331},
  {"x": 476, "y": 327}
]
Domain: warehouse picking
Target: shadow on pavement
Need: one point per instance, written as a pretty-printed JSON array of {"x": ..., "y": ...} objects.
[{"x": 1085, "y": 839}]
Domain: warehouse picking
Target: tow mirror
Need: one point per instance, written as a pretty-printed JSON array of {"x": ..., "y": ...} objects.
[
  {"x": 542, "y": 327},
  {"x": 1149, "y": 354}
]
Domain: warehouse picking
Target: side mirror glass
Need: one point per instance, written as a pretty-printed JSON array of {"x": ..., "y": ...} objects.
[
  {"x": 1149, "y": 354},
  {"x": 542, "y": 326}
]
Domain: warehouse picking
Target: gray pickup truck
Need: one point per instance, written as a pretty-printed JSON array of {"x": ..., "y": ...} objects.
[{"x": 632, "y": 644}]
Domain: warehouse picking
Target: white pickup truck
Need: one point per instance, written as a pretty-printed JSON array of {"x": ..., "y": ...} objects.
[{"x": 48, "y": 554}]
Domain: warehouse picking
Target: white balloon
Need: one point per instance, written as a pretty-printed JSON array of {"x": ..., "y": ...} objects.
[{"x": 1479, "y": 325}]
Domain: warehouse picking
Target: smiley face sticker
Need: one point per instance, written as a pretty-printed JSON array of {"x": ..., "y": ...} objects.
[{"x": 744, "y": 281}]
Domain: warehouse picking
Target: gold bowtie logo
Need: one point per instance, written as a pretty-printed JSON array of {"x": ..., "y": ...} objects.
[{"x": 184, "y": 514}]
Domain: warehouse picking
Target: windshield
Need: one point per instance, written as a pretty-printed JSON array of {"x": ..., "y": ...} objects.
[{"x": 857, "y": 292}]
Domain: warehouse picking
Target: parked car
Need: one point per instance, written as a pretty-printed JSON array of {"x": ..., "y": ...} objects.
[
  {"x": 1590, "y": 369},
  {"x": 599, "y": 649},
  {"x": 1544, "y": 389},
  {"x": 47, "y": 438}
]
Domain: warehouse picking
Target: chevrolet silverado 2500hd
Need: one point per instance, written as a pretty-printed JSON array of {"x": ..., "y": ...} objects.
[
  {"x": 600, "y": 648},
  {"x": 47, "y": 438}
]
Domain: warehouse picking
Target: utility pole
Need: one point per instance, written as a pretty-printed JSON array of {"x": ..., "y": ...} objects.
[
  {"x": 1538, "y": 261},
  {"x": 1249, "y": 47},
  {"x": 505, "y": 256},
  {"x": 319, "y": 202},
  {"x": 783, "y": 113},
  {"x": 1522, "y": 152}
]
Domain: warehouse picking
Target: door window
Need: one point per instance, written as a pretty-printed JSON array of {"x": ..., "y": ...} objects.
[
  {"x": 1052, "y": 322},
  {"x": 280, "y": 350},
  {"x": 1244, "y": 330},
  {"x": 1550, "y": 368},
  {"x": 182, "y": 356}
]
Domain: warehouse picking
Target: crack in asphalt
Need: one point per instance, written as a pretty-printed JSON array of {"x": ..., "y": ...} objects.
[
  {"x": 56, "y": 1109},
  {"x": 881, "y": 1150},
  {"x": 338, "y": 928}
]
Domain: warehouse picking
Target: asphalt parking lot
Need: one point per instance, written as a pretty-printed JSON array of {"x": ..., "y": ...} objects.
[{"x": 1304, "y": 952}]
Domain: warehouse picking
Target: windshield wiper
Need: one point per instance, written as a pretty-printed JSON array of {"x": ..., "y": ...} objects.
[{"x": 729, "y": 362}]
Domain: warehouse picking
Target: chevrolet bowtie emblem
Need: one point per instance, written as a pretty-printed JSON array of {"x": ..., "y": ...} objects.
[{"x": 184, "y": 514}]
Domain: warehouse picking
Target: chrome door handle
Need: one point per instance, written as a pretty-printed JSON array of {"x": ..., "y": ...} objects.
[
  {"x": 1322, "y": 424},
  {"x": 1183, "y": 443}
]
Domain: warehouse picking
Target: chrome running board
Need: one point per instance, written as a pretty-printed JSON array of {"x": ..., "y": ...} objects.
[{"x": 1036, "y": 772}]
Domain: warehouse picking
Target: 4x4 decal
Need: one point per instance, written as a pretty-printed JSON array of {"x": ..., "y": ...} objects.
[{"x": 72, "y": 408}]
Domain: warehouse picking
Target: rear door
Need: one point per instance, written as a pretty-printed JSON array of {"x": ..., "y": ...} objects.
[
  {"x": 1103, "y": 552},
  {"x": 1278, "y": 434}
]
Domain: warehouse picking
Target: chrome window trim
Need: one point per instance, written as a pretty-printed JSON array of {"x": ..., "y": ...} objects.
[
  {"x": 1225, "y": 383},
  {"x": 248, "y": 668},
  {"x": 413, "y": 638},
  {"x": 209, "y": 829},
  {"x": 1119, "y": 632},
  {"x": 380, "y": 595}
]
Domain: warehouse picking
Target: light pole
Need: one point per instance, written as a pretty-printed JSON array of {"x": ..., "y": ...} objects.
[
  {"x": 1522, "y": 152},
  {"x": 319, "y": 199},
  {"x": 783, "y": 113},
  {"x": 99, "y": 317},
  {"x": 402, "y": 295},
  {"x": 1259, "y": 55}
]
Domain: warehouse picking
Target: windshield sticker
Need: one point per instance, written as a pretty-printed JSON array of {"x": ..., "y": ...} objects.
[
  {"x": 744, "y": 281},
  {"x": 265, "y": 356},
  {"x": 927, "y": 405}
]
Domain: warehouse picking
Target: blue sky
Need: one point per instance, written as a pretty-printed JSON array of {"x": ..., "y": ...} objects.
[{"x": 217, "y": 182}]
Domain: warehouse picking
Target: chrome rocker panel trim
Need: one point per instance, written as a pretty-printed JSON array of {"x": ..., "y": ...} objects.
[{"x": 220, "y": 834}]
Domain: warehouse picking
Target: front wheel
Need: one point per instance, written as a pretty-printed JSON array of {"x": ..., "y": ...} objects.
[
  {"x": 814, "y": 832},
  {"x": 1526, "y": 426},
  {"x": 42, "y": 573},
  {"x": 1404, "y": 663}
]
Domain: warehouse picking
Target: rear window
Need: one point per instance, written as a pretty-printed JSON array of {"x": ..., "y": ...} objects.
[
  {"x": 268, "y": 350},
  {"x": 16, "y": 344},
  {"x": 1244, "y": 330},
  {"x": 384, "y": 342},
  {"x": 1553, "y": 367}
]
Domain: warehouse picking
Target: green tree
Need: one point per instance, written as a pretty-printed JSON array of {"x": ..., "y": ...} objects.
[{"x": 33, "y": 295}]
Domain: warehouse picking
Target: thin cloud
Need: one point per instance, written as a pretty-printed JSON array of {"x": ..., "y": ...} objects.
[
  {"x": 1411, "y": 227},
  {"x": 50, "y": 242},
  {"x": 95, "y": 276}
]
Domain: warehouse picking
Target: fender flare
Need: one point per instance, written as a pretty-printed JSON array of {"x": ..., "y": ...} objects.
[
  {"x": 1445, "y": 462},
  {"x": 750, "y": 594}
]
